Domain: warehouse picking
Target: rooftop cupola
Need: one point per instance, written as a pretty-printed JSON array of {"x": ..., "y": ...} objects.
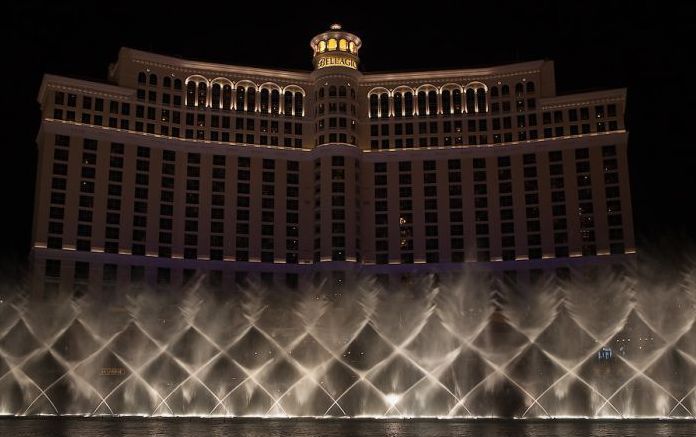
[{"x": 336, "y": 48}]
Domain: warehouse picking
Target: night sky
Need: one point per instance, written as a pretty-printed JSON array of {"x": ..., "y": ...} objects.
[{"x": 644, "y": 46}]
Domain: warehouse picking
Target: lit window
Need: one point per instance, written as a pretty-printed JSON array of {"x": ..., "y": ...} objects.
[
  {"x": 322, "y": 46},
  {"x": 331, "y": 45},
  {"x": 351, "y": 46},
  {"x": 343, "y": 45}
]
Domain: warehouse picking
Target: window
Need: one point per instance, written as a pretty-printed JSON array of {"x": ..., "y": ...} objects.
[
  {"x": 470, "y": 100},
  {"x": 299, "y": 101},
  {"x": 384, "y": 105},
  {"x": 191, "y": 94},
  {"x": 481, "y": 100},
  {"x": 52, "y": 268},
  {"x": 519, "y": 90},
  {"x": 202, "y": 94}
]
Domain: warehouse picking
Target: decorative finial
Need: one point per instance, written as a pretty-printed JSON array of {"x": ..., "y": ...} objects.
[{"x": 335, "y": 26}]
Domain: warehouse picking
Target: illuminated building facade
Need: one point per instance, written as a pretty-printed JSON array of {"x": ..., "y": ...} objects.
[{"x": 177, "y": 167}]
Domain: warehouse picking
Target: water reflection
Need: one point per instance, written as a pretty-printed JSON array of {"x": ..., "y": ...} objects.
[{"x": 70, "y": 427}]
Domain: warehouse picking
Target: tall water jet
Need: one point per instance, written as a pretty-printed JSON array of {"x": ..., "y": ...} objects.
[{"x": 468, "y": 348}]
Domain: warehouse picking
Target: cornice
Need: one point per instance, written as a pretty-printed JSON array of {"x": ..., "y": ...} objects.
[
  {"x": 68, "y": 84},
  {"x": 370, "y": 79},
  {"x": 160, "y": 141},
  {"x": 41, "y": 252},
  {"x": 188, "y": 67},
  {"x": 209, "y": 68},
  {"x": 482, "y": 150},
  {"x": 586, "y": 98}
]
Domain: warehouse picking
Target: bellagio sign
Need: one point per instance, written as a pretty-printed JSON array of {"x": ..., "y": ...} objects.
[{"x": 336, "y": 61}]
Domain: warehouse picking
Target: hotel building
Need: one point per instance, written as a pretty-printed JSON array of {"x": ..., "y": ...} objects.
[{"x": 176, "y": 167}]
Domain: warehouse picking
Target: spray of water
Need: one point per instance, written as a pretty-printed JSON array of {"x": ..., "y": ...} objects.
[{"x": 606, "y": 346}]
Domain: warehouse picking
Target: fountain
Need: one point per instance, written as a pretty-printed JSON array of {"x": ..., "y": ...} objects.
[{"x": 604, "y": 347}]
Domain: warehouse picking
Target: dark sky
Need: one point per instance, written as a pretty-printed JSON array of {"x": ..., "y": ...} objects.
[{"x": 644, "y": 46}]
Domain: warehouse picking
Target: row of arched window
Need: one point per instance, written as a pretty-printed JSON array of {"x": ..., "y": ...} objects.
[
  {"x": 333, "y": 44},
  {"x": 152, "y": 80},
  {"x": 404, "y": 101},
  {"x": 244, "y": 95}
]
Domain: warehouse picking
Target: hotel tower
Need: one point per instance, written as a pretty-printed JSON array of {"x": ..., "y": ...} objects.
[{"x": 173, "y": 168}]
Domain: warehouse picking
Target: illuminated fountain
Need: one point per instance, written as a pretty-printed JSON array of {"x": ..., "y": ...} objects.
[{"x": 602, "y": 348}]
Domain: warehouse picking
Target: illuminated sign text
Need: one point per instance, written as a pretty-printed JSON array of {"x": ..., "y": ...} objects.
[{"x": 336, "y": 61}]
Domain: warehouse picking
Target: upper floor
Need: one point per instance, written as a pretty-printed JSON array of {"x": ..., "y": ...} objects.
[{"x": 165, "y": 96}]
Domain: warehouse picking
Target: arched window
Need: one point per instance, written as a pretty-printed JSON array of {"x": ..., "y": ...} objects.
[
  {"x": 384, "y": 105},
  {"x": 352, "y": 93},
  {"x": 494, "y": 91},
  {"x": 167, "y": 82},
  {"x": 299, "y": 104},
  {"x": 141, "y": 77},
  {"x": 332, "y": 91},
  {"x": 264, "y": 101},
  {"x": 530, "y": 87},
  {"x": 191, "y": 94},
  {"x": 251, "y": 99},
  {"x": 470, "y": 101},
  {"x": 432, "y": 102},
  {"x": 226, "y": 97},
  {"x": 446, "y": 102},
  {"x": 421, "y": 103},
  {"x": 408, "y": 104},
  {"x": 457, "y": 101},
  {"x": 275, "y": 102},
  {"x": 505, "y": 90},
  {"x": 519, "y": 90},
  {"x": 341, "y": 90},
  {"x": 321, "y": 92},
  {"x": 398, "y": 104},
  {"x": 202, "y": 94},
  {"x": 343, "y": 45},
  {"x": 153, "y": 79},
  {"x": 215, "y": 96},
  {"x": 331, "y": 45},
  {"x": 481, "y": 100},
  {"x": 241, "y": 98},
  {"x": 177, "y": 84},
  {"x": 287, "y": 103},
  {"x": 374, "y": 105}
]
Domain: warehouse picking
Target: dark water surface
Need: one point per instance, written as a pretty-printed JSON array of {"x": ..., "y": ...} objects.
[{"x": 131, "y": 427}]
